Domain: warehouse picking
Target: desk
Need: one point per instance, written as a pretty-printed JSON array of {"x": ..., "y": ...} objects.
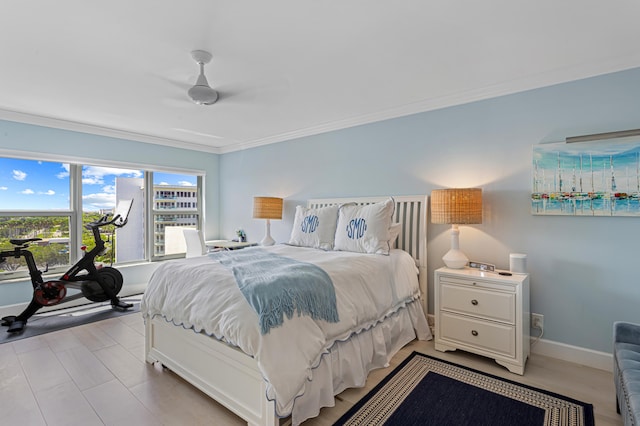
[{"x": 228, "y": 245}]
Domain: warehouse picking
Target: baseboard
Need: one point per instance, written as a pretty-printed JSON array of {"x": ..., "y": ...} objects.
[{"x": 575, "y": 354}]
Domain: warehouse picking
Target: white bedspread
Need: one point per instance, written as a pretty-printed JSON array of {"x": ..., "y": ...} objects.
[{"x": 200, "y": 293}]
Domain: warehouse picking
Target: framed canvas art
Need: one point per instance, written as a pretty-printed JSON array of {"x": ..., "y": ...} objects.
[{"x": 597, "y": 178}]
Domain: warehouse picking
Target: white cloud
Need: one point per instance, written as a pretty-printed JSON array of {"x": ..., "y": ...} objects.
[
  {"x": 99, "y": 200},
  {"x": 27, "y": 192},
  {"x": 65, "y": 173},
  {"x": 49, "y": 192},
  {"x": 110, "y": 189},
  {"x": 3, "y": 188},
  {"x": 180, "y": 183},
  {"x": 19, "y": 175},
  {"x": 94, "y": 175},
  {"x": 92, "y": 181}
]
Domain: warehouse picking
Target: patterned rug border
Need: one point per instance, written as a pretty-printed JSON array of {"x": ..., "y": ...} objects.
[{"x": 589, "y": 419}]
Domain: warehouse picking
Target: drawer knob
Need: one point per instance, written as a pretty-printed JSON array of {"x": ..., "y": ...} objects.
[
  {"x": 474, "y": 333},
  {"x": 474, "y": 302}
]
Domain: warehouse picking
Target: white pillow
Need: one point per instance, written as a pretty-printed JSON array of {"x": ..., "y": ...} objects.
[
  {"x": 394, "y": 232},
  {"x": 314, "y": 227},
  {"x": 365, "y": 229}
]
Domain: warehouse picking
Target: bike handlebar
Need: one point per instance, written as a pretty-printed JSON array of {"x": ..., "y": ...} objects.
[{"x": 104, "y": 221}]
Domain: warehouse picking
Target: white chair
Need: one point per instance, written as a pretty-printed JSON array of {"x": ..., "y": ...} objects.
[{"x": 194, "y": 241}]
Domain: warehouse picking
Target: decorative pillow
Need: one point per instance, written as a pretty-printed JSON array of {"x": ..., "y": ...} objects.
[
  {"x": 394, "y": 232},
  {"x": 365, "y": 229},
  {"x": 314, "y": 227}
]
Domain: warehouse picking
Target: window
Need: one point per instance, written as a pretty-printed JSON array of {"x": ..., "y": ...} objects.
[
  {"x": 52, "y": 251},
  {"x": 53, "y": 201},
  {"x": 35, "y": 203},
  {"x": 174, "y": 210},
  {"x": 102, "y": 189}
]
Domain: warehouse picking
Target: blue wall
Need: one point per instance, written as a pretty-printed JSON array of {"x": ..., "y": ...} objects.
[{"x": 583, "y": 269}]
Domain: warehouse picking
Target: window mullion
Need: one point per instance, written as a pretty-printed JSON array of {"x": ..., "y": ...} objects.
[
  {"x": 75, "y": 227},
  {"x": 149, "y": 228},
  {"x": 200, "y": 205}
]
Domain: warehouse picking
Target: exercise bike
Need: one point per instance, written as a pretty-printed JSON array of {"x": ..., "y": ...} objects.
[{"x": 97, "y": 284}]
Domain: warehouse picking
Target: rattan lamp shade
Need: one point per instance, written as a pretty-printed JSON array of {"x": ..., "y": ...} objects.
[
  {"x": 457, "y": 206},
  {"x": 267, "y": 208}
]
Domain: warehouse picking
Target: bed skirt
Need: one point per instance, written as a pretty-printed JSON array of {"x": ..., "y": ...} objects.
[
  {"x": 349, "y": 362},
  {"x": 237, "y": 382}
]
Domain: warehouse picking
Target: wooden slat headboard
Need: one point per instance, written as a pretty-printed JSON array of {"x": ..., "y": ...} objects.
[{"x": 411, "y": 212}]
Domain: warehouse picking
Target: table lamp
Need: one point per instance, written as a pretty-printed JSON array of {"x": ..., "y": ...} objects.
[
  {"x": 267, "y": 208},
  {"x": 456, "y": 206}
]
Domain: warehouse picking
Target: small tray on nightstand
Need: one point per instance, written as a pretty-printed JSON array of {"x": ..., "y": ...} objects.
[{"x": 229, "y": 245}]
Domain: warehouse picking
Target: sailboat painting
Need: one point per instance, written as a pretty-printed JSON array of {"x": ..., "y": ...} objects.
[{"x": 598, "y": 178}]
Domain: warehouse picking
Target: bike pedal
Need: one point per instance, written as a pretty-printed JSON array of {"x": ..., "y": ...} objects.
[
  {"x": 8, "y": 320},
  {"x": 16, "y": 327},
  {"x": 123, "y": 306}
]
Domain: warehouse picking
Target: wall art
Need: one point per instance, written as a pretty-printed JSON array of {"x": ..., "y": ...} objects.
[{"x": 597, "y": 178}]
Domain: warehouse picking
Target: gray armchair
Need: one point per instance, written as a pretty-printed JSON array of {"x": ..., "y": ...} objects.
[{"x": 626, "y": 370}]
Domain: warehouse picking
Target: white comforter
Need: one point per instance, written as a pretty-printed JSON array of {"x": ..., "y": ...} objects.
[{"x": 200, "y": 293}]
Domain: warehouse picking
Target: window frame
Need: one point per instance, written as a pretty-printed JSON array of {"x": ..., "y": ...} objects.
[
  {"x": 152, "y": 212},
  {"x": 75, "y": 210}
]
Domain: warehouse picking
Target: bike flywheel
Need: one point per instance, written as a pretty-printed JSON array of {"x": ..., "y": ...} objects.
[{"x": 50, "y": 293}]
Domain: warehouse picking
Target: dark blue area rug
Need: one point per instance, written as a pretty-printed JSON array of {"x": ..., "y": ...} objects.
[{"x": 428, "y": 391}]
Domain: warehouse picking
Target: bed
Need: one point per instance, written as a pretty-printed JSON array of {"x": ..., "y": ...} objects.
[{"x": 264, "y": 377}]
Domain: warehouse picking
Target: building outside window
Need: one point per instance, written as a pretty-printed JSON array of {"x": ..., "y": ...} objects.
[{"x": 173, "y": 211}]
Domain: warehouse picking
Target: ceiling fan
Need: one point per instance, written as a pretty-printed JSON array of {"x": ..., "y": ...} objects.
[{"x": 202, "y": 93}]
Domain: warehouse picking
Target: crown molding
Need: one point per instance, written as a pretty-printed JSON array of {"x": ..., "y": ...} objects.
[
  {"x": 537, "y": 81},
  {"x": 57, "y": 123}
]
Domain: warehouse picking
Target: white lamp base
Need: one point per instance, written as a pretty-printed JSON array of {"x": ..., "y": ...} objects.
[
  {"x": 267, "y": 240},
  {"x": 455, "y": 259}
]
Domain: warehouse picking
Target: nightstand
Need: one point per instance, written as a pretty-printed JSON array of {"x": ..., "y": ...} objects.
[
  {"x": 228, "y": 245},
  {"x": 484, "y": 313}
]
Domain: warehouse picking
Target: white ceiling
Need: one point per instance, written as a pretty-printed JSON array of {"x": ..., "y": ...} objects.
[{"x": 290, "y": 68}]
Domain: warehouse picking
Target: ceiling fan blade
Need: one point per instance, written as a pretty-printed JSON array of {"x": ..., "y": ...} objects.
[{"x": 254, "y": 93}]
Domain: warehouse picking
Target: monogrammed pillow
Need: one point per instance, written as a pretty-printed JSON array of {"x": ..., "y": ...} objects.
[
  {"x": 365, "y": 229},
  {"x": 314, "y": 227}
]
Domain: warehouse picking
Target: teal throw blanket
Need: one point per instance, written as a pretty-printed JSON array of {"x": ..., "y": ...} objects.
[{"x": 276, "y": 286}]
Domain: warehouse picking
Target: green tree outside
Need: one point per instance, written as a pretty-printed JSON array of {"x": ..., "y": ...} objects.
[{"x": 47, "y": 227}]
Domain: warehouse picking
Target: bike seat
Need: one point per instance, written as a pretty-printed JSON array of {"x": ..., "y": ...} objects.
[{"x": 23, "y": 241}]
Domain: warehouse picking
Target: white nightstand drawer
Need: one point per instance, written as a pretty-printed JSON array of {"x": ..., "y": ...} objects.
[
  {"x": 495, "y": 305},
  {"x": 484, "y": 313},
  {"x": 494, "y": 337}
]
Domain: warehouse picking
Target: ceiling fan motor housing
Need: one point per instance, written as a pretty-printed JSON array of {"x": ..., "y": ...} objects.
[{"x": 202, "y": 93}]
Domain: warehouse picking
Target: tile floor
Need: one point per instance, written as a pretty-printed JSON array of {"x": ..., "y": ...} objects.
[{"x": 95, "y": 374}]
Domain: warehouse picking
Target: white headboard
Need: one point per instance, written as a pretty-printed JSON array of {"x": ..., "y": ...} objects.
[{"x": 411, "y": 212}]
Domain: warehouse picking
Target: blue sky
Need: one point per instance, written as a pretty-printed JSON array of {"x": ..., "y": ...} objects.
[{"x": 40, "y": 185}]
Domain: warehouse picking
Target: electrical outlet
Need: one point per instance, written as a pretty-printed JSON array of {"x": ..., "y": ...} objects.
[{"x": 537, "y": 321}]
